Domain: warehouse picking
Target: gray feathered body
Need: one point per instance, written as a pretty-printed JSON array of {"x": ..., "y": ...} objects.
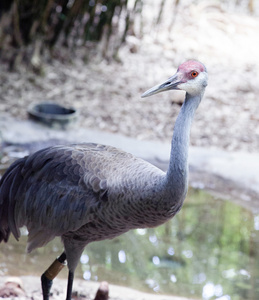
[
  {"x": 90, "y": 192},
  {"x": 83, "y": 193}
]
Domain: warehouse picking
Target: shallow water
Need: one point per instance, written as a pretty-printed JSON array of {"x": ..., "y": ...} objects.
[{"x": 210, "y": 250}]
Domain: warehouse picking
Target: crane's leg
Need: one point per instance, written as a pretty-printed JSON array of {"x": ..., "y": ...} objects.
[
  {"x": 48, "y": 276},
  {"x": 73, "y": 249},
  {"x": 70, "y": 285}
]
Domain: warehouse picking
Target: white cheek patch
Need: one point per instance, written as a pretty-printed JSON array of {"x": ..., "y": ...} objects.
[{"x": 189, "y": 87}]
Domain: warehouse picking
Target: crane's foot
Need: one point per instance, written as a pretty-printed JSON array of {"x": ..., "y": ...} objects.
[
  {"x": 48, "y": 276},
  {"x": 46, "y": 285},
  {"x": 70, "y": 285}
]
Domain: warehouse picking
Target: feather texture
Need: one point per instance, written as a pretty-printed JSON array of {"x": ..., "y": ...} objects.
[{"x": 77, "y": 189}]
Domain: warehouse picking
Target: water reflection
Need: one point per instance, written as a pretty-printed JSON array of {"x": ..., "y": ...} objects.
[
  {"x": 122, "y": 256},
  {"x": 256, "y": 222},
  {"x": 209, "y": 251}
]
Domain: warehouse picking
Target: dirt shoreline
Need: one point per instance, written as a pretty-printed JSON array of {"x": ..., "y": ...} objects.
[{"x": 83, "y": 289}]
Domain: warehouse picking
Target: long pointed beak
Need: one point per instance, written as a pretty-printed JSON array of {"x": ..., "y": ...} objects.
[{"x": 171, "y": 84}]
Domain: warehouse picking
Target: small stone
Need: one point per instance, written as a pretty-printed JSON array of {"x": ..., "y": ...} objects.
[
  {"x": 103, "y": 291},
  {"x": 13, "y": 287}
]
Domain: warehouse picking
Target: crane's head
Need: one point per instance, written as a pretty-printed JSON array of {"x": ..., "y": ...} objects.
[{"x": 191, "y": 76}]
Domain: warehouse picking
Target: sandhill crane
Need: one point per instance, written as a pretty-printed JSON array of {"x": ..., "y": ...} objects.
[{"x": 90, "y": 192}]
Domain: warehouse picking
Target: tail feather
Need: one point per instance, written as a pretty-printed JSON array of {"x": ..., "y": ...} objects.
[
  {"x": 4, "y": 233},
  {"x": 9, "y": 185}
]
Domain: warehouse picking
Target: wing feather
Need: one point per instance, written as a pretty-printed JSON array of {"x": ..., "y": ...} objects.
[{"x": 58, "y": 189}]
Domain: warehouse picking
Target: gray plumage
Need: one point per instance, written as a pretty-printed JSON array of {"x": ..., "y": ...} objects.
[{"x": 90, "y": 192}]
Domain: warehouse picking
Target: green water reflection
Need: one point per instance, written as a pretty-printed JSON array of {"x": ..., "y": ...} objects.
[{"x": 210, "y": 250}]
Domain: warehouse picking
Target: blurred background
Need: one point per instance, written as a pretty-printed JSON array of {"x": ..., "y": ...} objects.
[{"x": 99, "y": 57}]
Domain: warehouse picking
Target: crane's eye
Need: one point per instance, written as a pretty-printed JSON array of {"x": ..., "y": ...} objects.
[{"x": 194, "y": 74}]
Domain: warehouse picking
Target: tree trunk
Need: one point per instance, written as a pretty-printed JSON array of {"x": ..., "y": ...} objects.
[{"x": 29, "y": 26}]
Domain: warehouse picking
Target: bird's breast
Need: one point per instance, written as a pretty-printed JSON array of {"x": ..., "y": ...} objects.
[{"x": 118, "y": 218}]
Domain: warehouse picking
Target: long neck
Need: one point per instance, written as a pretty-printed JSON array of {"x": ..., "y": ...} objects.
[{"x": 177, "y": 174}]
